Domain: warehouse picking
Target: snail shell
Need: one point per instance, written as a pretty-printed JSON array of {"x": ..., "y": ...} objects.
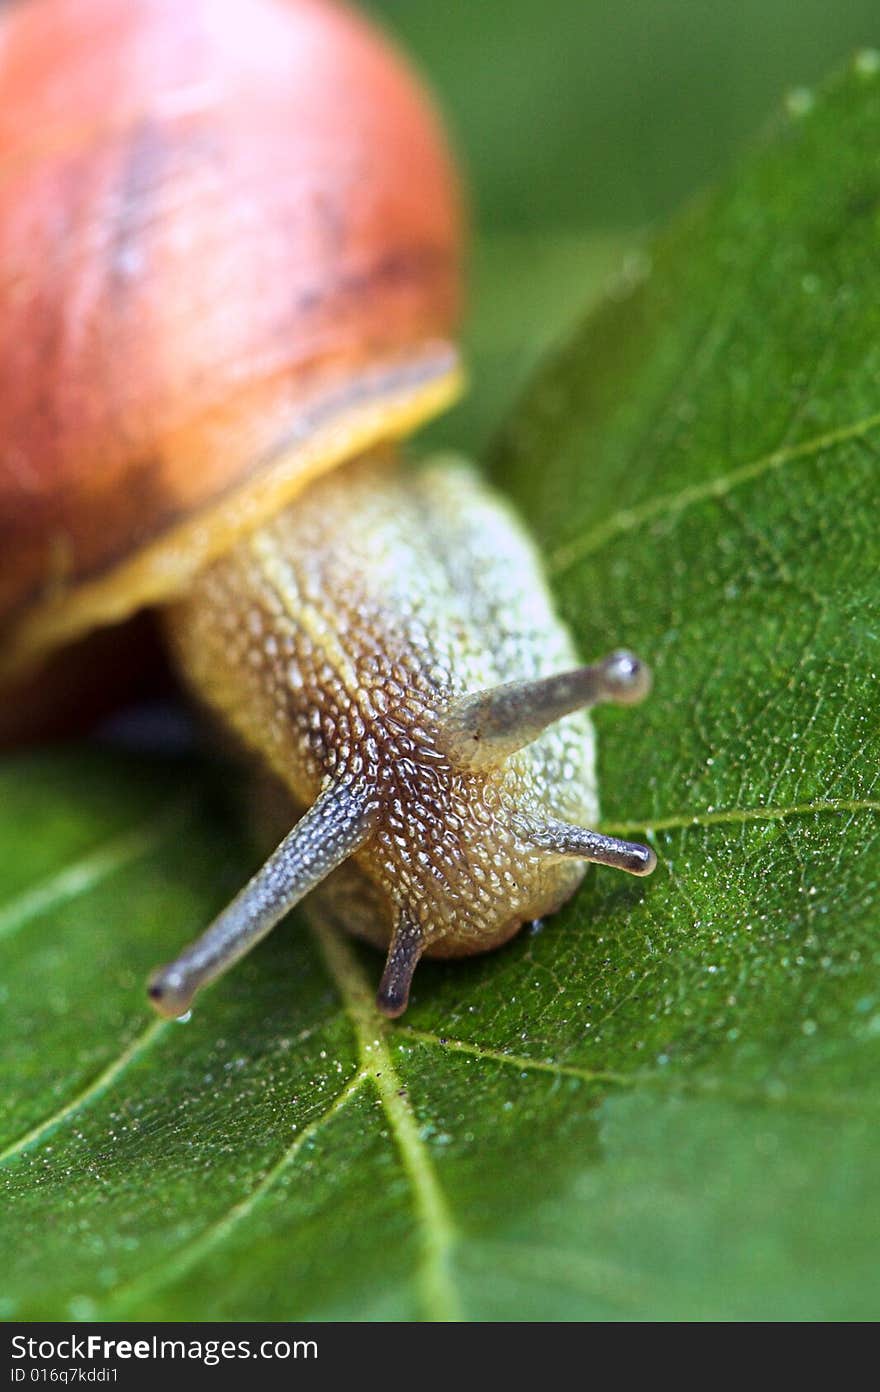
[{"x": 229, "y": 259}]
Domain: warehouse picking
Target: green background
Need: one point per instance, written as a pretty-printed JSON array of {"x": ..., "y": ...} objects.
[
  {"x": 579, "y": 122},
  {"x": 575, "y": 114}
]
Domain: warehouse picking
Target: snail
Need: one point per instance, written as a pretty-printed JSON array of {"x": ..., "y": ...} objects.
[{"x": 230, "y": 240}]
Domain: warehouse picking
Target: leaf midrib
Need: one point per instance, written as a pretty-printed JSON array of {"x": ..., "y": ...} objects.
[{"x": 438, "y": 1232}]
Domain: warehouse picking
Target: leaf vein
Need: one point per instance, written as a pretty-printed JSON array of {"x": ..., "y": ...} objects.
[
  {"x": 213, "y": 1236},
  {"x": 88, "y": 872},
  {"x": 439, "y": 1236},
  {"x": 559, "y": 1070},
  {"x": 736, "y": 815},
  {"x": 633, "y": 518},
  {"x": 100, "y": 1084},
  {"x": 819, "y": 1105}
]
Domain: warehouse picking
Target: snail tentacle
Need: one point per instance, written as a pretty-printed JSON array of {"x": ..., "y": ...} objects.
[
  {"x": 407, "y": 943},
  {"x": 562, "y": 839},
  {"x": 483, "y": 729},
  {"x": 336, "y": 825}
]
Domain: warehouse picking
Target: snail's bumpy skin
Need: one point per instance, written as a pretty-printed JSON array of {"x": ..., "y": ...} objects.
[{"x": 333, "y": 639}]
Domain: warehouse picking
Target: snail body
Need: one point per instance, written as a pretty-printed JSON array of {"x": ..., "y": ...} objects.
[
  {"x": 387, "y": 646},
  {"x": 380, "y": 638}
]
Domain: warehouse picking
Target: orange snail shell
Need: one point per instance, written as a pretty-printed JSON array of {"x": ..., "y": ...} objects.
[{"x": 230, "y": 245}]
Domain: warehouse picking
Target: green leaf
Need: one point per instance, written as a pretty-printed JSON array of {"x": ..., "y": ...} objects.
[{"x": 663, "y": 1104}]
